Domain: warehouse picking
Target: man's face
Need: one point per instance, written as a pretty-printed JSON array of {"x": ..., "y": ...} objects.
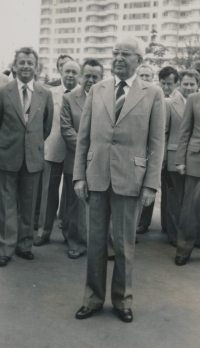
[
  {"x": 145, "y": 74},
  {"x": 168, "y": 85},
  {"x": 90, "y": 76},
  {"x": 25, "y": 67},
  {"x": 61, "y": 62},
  {"x": 188, "y": 85},
  {"x": 125, "y": 60},
  {"x": 70, "y": 74}
]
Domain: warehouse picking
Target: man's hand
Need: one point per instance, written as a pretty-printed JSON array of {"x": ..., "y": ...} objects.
[
  {"x": 148, "y": 196},
  {"x": 181, "y": 168},
  {"x": 81, "y": 189}
]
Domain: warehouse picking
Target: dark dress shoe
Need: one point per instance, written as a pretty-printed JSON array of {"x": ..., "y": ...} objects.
[
  {"x": 125, "y": 315},
  {"x": 85, "y": 312},
  {"x": 180, "y": 261},
  {"x": 173, "y": 243},
  {"x": 4, "y": 260},
  {"x": 111, "y": 258},
  {"x": 39, "y": 241},
  {"x": 142, "y": 229},
  {"x": 27, "y": 255}
]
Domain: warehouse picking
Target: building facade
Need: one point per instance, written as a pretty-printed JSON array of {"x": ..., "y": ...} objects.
[{"x": 89, "y": 28}]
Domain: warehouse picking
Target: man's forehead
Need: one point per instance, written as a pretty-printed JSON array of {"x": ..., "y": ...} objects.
[
  {"x": 125, "y": 46},
  {"x": 71, "y": 65},
  {"x": 189, "y": 79},
  {"x": 169, "y": 78},
  {"x": 91, "y": 69},
  {"x": 145, "y": 70},
  {"x": 23, "y": 55}
]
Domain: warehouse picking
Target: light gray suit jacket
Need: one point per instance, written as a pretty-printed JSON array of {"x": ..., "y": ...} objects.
[
  {"x": 19, "y": 141},
  {"x": 175, "y": 110},
  {"x": 129, "y": 153},
  {"x": 72, "y": 109},
  {"x": 54, "y": 145},
  {"x": 188, "y": 151}
]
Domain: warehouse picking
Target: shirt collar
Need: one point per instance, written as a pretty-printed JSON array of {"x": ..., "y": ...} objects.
[
  {"x": 29, "y": 84},
  {"x": 128, "y": 81}
]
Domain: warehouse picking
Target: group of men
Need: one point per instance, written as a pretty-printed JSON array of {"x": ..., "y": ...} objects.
[{"x": 110, "y": 138}]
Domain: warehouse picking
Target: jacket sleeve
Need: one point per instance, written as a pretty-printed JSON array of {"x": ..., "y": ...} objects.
[
  {"x": 155, "y": 141},
  {"x": 67, "y": 130},
  {"x": 83, "y": 141},
  {"x": 48, "y": 116},
  {"x": 185, "y": 132}
]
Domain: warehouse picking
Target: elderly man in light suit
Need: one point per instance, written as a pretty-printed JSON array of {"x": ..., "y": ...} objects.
[
  {"x": 117, "y": 169},
  {"x": 26, "y": 111},
  {"x": 189, "y": 80},
  {"x": 54, "y": 156}
]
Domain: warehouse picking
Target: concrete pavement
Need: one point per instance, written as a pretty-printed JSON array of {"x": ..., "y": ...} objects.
[{"x": 39, "y": 299}]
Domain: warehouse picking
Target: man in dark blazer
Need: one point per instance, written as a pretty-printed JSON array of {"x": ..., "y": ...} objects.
[
  {"x": 115, "y": 173},
  {"x": 73, "y": 103},
  {"x": 55, "y": 151},
  {"x": 188, "y": 164},
  {"x": 189, "y": 80},
  {"x": 26, "y": 111}
]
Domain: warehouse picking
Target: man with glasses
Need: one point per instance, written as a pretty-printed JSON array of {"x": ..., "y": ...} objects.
[{"x": 117, "y": 168}]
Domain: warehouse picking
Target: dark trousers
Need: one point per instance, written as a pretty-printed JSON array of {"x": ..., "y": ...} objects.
[
  {"x": 76, "y": 213},
  {"x": 146, "y": 216},
  {"x": 125, "y": 211},
  {"x": 18, "y": 193},
  {"x": 189, "y": 218},
  {"x": 163, "y": 207},
  {"x": 175, "y": 192},
  {"x": 51, "y": 178}
]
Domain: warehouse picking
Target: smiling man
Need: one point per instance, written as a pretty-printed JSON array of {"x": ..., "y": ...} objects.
[
  {"x": 115, "y": 173},
  {"x": 26, "y": 111}
]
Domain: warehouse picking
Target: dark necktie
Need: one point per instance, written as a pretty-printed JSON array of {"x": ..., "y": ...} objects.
[
  {"x": 26, "y": 103},
  {"x": 120, "y": 99},
  {"x": 67, "y": 91}
]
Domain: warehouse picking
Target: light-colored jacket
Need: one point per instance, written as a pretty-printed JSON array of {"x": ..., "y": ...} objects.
[
  {"x": 128, "y": 154},
  {"x": 188, "y": 151},
  {"x": 71, "y": 111},
  {"x": 54, "y": 145},
  {"x": 175, "y": 109},
  {"x": 19, "y": 141}
]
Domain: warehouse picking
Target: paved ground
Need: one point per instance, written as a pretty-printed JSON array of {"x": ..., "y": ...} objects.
[{"x": 39, "y": 299}]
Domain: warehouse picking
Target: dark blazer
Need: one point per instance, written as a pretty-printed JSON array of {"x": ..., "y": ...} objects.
[
  {"x": 71, "y": 111},
  {"x": 108, "y": 152},
  {"x": 188, "y": 151},
  {"x": 175, "y": 110},
  {"x": 18, "y": 141}
]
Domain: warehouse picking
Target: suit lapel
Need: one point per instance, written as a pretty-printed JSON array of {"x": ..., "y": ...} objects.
[
  {"x": 108, "y": 95},
  {"x": 35, "y": 101},
  {"x": 179, "y": 105},
  {"x": 80, "y": 97},
  {"x": 15, "y": 100},
  {"x": 136, "y": 93}
]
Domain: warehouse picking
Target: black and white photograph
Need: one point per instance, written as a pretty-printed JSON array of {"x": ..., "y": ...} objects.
[{"x": 99, "y": 174}]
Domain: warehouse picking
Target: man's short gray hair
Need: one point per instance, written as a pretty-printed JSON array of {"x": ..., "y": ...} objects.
[
  {"x": 135, "y": 41},
  {"x": 146, "y": 66}
]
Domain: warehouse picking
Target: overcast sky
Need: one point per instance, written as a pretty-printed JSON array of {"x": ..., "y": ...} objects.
[{"x": 19, "y": 26}]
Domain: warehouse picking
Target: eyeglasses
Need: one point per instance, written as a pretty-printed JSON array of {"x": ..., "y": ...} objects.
[{"x": 123, "y": 54}]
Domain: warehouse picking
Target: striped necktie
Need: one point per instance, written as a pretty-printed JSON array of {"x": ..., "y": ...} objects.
[
  {"x": 26, "y": 102},
  {"x": 120, "y": 99}
]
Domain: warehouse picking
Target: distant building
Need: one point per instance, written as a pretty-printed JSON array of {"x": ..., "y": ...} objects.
[{"x": 89, "y": 28}]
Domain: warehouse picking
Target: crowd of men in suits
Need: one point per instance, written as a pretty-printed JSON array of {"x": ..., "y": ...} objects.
[{"x": 113, "y": 140}]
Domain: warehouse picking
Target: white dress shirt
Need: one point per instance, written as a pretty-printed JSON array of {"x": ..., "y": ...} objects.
[
  {"x": 29, "y": 90},
  {"x": 126, "y": 88}
]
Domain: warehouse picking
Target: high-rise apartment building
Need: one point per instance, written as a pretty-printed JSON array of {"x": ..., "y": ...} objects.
[{"x": 89, "y": 28}]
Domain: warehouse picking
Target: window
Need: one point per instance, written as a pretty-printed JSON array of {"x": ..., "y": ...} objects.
[
  {"x": 44, "y": 60},
  {"x": 78, "y": 50},
  {"x": 44, "y": 50},
  {"x": 46, "y": 11},
  {"x": 79, "y": 30},
  {"x": 65, "y": 1},
  {"x": 45, "y": 21},
  {"x": 45, "y": 31},
  {"x": 155, "y": 3},
  {"x": 47, "y": 2},
  {"x": 63, "y": 40},
  {"x": 80, "y": 9},
  {"x": 65, "y": 20},
  {"x": 137, "y": 4},
  {"x": 66, "y": 10},
  {"x": 79, "y": 40},
  {"x": 155, "y": 15},
  {"x": 63, "y": 50},
  {"x": 64, "y": 30},
  {"x": 80, "y": 19},
  {"x": 44, "y": 41}
]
